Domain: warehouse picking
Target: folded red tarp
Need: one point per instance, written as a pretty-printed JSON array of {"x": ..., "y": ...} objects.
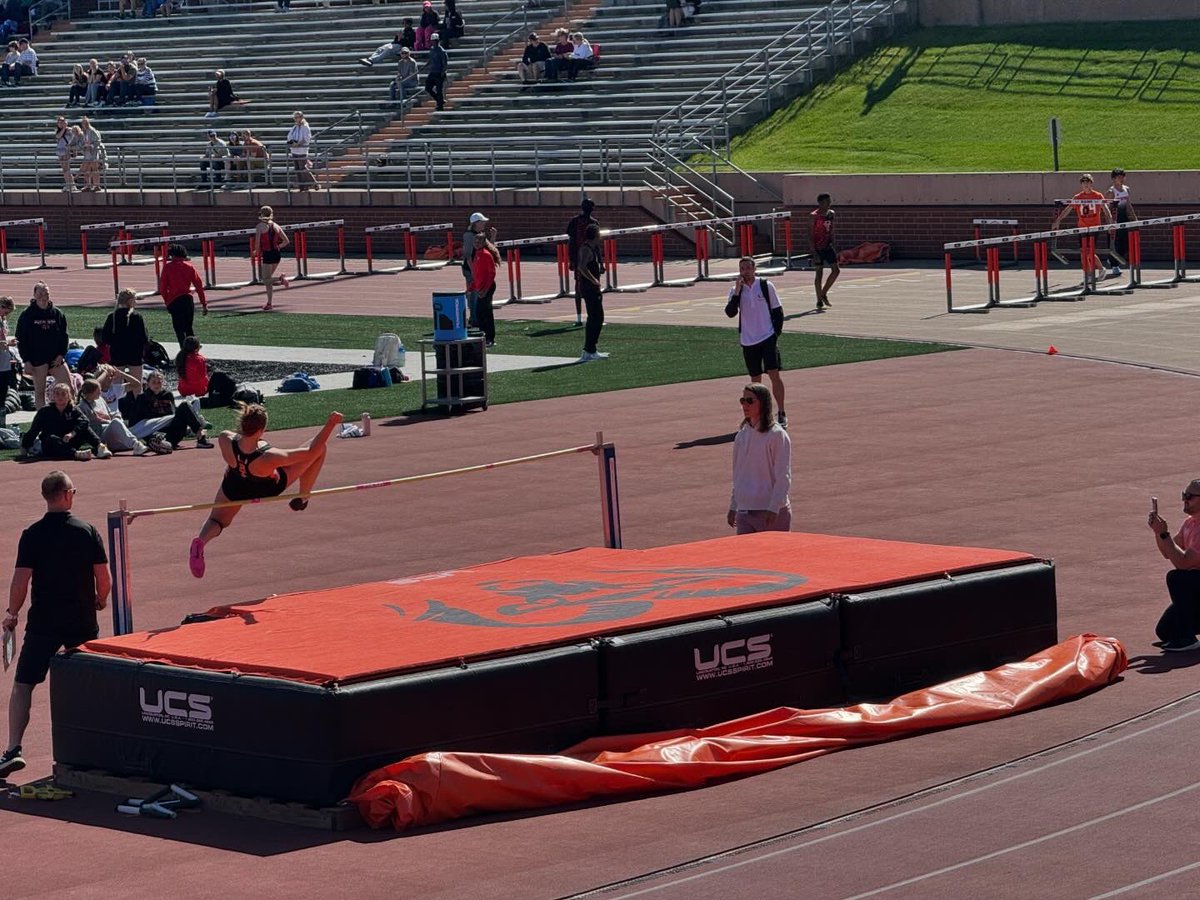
[{"x": 436, "y": 787}]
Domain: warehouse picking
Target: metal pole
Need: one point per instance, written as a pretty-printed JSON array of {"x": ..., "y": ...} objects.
[
  {"x": 537, "y": 175},
  {"x": 37, "y": 176},
  {"x": 450, "y": 169},
  {"x": 610, "y": 502},
  {"x": 174, "y": 179},
  {"x": 766, "y": 61},
  {"x": 493, "y": 155},
  {"x": 621, "y": 172},
  {"x": 367, "y": 164},
  {"x": 118, "y": 564},
  {"x": 141, "y": 186},
  {"x": 408, "y": 169}
]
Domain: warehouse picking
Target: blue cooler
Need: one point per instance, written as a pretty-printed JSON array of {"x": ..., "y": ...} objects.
[{"x": 449, "y": 316}]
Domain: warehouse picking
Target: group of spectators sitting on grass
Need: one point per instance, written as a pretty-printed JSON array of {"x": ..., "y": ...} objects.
[
  {"x": 116, "y": 83},
  {"x": 570, "y": 55},
  {"x": 113, "y": 402}
]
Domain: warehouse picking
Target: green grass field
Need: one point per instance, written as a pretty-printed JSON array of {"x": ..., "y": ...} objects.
[
  {"x": 970, "y": 100},
  {"x": 642, "y": 355}
]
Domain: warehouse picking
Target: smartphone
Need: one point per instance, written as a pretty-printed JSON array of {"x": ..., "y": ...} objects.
[{"x": 1154, "y": 506}]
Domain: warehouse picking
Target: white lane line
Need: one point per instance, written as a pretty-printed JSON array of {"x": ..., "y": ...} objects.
[
  {"x": 1133, "y": 887},
  {"x": 903, "y": 814},
  {"x": 1025, "y": 845}
]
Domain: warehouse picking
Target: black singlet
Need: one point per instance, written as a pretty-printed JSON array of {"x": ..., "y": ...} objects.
[{"x": 239, "y": 484}]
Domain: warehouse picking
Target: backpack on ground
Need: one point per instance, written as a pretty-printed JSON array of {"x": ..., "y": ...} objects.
[
  {"x": 221, "y": 388},
  {"x": 298, "y": 383},
  {"x": 155, "y": 355},
  {"x": 389, "y": 350},
  {"x": 247, "y": 394},
  {"x": 366, "y": 377}
]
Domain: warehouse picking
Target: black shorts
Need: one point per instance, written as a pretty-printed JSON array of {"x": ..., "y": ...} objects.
[
  {"x": 237, "y": 488},
  {"x": 271, "y": 257},
  {"x": 36, "y": 652},
  {"x": 762, "y": 357},
  {"x": 826, "y": 255}
]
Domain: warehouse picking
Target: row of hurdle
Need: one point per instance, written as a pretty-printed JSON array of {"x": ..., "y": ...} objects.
[{"x": 131, "y": 245}]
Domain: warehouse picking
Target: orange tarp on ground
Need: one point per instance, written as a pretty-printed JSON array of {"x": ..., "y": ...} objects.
[
  {"x": 436, "y": 787},
  {"x": 366, "y": 631}
]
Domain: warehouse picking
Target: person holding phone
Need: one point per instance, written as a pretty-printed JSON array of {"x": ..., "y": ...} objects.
[{"x": 1180, "y": 622}]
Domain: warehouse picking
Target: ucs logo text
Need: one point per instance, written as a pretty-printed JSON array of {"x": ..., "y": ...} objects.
[
  {"x": 732, "y": 657},
  {"x": 177, "y": 708}
]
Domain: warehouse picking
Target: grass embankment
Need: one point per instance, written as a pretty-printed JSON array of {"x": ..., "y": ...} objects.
[
  {"x": 642, "y": 355},
  {"x": 979, "y": 99}
]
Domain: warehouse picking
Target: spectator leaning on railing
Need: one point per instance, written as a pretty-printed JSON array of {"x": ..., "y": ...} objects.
[
  {"x": 212, "y": 163},
  {"x": 299, "y": 140},
  {"x": 257, "y": 157}
]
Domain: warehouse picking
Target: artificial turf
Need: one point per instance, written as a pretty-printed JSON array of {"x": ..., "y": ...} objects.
[
  {"x": 980, "y": 99},
  {"x": 641, "y": 356}
]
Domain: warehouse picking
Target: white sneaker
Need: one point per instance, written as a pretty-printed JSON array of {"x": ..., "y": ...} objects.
[
  {"x": 210, "y": 115},
  {"x": 140, "y": 449},
  {"x": 586, "y": 357},
  {"x": 599, "y": 355},
  {"x": 1115, "y": 272},
  {"x": 103, "y": 453}
]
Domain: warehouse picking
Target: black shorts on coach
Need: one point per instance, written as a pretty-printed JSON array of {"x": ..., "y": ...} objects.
[
  {"x": 36, "y": 652},
  {"x": 762, "y": 357}
]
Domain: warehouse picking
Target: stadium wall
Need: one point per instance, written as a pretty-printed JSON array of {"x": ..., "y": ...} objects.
[{"x": 1032, "y": 12}]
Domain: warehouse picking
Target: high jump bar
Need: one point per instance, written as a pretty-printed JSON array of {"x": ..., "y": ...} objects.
[{"x": 120, "y": 519}]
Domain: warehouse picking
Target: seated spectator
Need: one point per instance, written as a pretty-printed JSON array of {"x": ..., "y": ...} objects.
[
  {"x": 108, "y": 96},
  {"x": 427, "y": 26},
  {"x": 63, "y": 430},
  {"x": 221, "y": 95},
  {"x": 674, "y": 13},
  {"x": 212, "y": 163},
  {"x": 121, "y": 88},
  {"x": 581, "y": 56},
  {"x": 25, "y": 64},
  {"x": 453, "y": 26},
  {"x": 94, "y": 355},
  {"x": 96, "y": 84},
  {"x": 257, "y": 159},
  {"x": 405, "y": 81},
  {"x": 124, "y": 7},
  {"x": 146, "y": 84},
  {"x": 408, "y": 37},
  {"x": 79, "y": 85},
  {"x": 114, "y": 384},
  {"x": 389, "y": 52},
  {"x": 237, "y": 162},
  {"x": 192, "y": 368},
  {"x": 108, "y": 425},
  {"x": 155, "y": 410},
  {"x": 561, "y": 54},
  {"x": 532, "y": 66}
]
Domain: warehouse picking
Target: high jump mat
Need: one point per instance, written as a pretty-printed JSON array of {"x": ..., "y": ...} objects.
[{"x": 294, "y": 696}]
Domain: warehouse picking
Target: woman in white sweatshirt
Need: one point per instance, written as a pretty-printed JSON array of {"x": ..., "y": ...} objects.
[{"x": 762, "y": 467}]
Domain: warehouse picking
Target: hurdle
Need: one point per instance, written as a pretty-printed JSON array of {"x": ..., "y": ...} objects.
[
  {"x": 512, "y": 256},
  {"x": 127, "y": 232},
  {"x": 208, "y": 257},
  {"x": 744, "y": 230},
  {"x": 85, "y": 230},
  {"x": 410, "y": 245},
  {"x": 118, "y": 248},
  {"x": 40, "y": 226},
  {"x": 368, "y": 237},
  {"x": 300, "y": 243},
  {"x": 1043, "y": 252},
  {"x": 977, "y": 226},
  {"x": 121, "y": 518}
]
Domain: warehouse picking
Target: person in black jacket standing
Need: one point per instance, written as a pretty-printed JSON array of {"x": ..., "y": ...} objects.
[
  {"x": 125, "y": 334},
  {"x": 42, "y": 340},
  {"x": 435, "y": 78},
  {"x": 576, "y": 235}
]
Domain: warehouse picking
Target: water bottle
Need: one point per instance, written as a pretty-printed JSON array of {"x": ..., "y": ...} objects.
[
  {"x": 366, "y": 424},
  {"x": 400, "y": 356}
]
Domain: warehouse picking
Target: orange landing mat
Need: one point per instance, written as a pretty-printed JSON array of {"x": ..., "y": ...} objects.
[
  {"x": 366, "y": 631},
  {"x": 436, "y": 787}
]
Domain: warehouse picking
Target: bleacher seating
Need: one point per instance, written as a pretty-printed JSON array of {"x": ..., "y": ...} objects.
[{"x": 308, "y": 59}]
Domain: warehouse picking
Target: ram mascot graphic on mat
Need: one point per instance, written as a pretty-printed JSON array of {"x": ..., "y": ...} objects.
[{"x": 623, "y": 595}]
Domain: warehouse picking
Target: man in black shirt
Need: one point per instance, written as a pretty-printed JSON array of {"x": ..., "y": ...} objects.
[
  {"x": 64, "y": 559},
  {"x": 576, "y": 236}
]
